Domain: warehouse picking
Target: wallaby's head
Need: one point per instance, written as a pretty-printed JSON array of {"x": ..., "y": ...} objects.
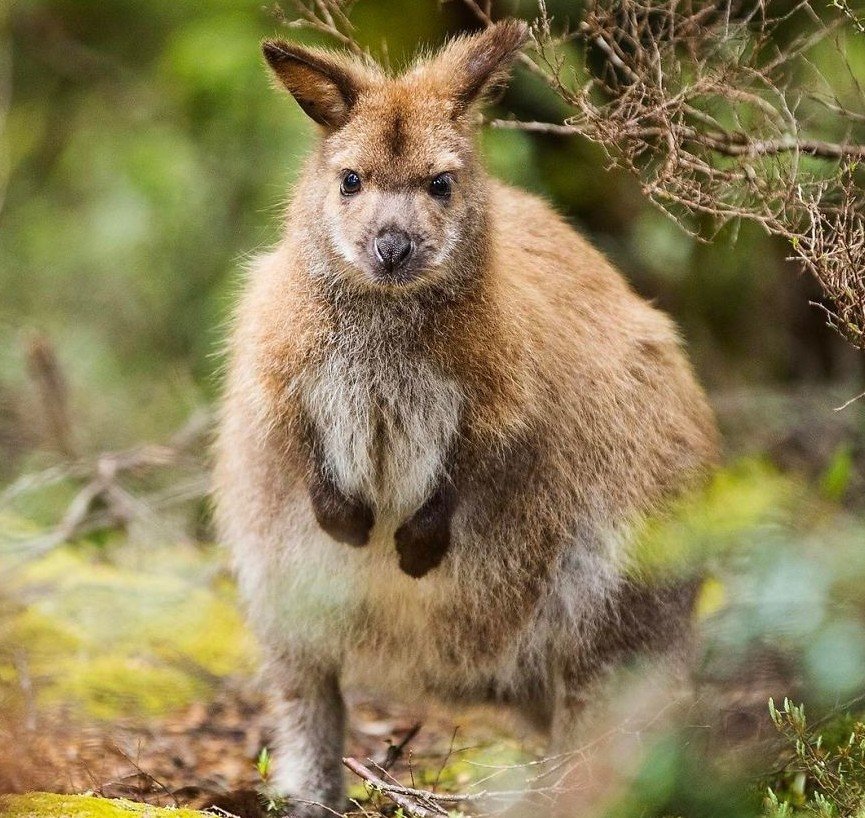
[{"x": 395, "y": 191}]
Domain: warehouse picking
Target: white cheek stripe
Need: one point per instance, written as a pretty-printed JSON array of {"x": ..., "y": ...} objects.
[
  {"x": 343, "y": 247},
  {"x": 447, "y": 247}
]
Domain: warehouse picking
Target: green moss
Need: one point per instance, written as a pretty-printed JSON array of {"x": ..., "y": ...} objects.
[
  {"x": 143, "y": 634},
  {"x": 213, "y": 636},
  {"x": 738, "y": 502},
  {"x": 110, "y": 685},
  {"x": 39, "y": 631},
  {"x": 46, "y": 805}
]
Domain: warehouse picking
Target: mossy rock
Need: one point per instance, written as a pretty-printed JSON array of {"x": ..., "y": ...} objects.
[
  {"x": 130, "y": 633},
  {"x": 47, "y": 805}
]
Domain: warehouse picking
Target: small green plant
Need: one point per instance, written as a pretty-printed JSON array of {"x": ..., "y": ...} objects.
[
  {"x": 262, "y": 764},
  {"x": 822, "y": 779},
  {"x": 273, "y": 804}
]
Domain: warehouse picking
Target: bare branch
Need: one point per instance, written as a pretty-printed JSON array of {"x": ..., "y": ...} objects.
[
  {"x": 327, "y": 17},
  {"x": 418, "y": 803},
  {"x": 695, "y": 100},
  {"x": 844, "y": 7},
  {"x": 103, "y": 501},
  {"x": 395, "y": 751}
]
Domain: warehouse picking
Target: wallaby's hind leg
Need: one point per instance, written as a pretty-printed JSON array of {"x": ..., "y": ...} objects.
[
  {"x": 630, "y": 682},
  {"x": 309, "y": 734}
]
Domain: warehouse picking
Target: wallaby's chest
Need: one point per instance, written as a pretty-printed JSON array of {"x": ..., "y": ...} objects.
[{"x": 385, "y": 423}]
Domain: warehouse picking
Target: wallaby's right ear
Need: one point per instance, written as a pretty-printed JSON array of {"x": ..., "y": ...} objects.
[{"x": 324, "y": 85}]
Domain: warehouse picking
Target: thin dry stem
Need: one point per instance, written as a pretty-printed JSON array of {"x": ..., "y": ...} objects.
[{"x": 695, "y": 99}]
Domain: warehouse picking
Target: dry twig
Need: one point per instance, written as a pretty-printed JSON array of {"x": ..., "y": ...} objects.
[
  {"x": 695, "y": 100},
  {"x": 419, "y": 803},
  {"x": 327, "y": 17},
  {"x": 48, "y": 378},
  {"x": 395, "y": 751},
  {"x": 103, "y": 501}
]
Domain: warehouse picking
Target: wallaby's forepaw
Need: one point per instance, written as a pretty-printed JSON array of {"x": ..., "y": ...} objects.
[
  {"x": 421, "y": 549},
  {"x": 423, "y": 540},
  {"x": 346, "y": 520},
  {"x": 350, "y": 524}
]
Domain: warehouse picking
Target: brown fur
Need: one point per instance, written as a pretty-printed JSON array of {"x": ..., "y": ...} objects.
[{"x": 504, "y": 412}]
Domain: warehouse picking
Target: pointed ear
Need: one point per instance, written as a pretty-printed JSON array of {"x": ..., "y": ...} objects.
[
  {"x": 325, "y": 85},
  {"x": 472, "y": 67}
]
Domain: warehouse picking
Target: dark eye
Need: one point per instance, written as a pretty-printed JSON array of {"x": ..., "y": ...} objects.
[
  {"x": 440, "y": 187},
  {"x": 350, "y": 183}
]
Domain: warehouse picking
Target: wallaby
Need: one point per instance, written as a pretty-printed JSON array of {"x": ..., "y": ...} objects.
[{"x": 445, "y": 415}]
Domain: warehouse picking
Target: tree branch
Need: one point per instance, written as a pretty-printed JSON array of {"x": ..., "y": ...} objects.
[
  {"x": 418, "y": 803},
  {"x": 669, "y": 75}
]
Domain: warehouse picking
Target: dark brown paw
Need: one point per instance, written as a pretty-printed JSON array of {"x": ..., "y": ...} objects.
[
  {"x": 420, "y": 551},
  {"x": 350, "y": 524},
  {"x": 423, "y": 540},
  {"x": 345, "y": 519}
]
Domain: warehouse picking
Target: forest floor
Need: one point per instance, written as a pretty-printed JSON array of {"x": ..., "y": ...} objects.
[
  {"x": 206, "y": 754},
  {"x": 137, "y": 681}
]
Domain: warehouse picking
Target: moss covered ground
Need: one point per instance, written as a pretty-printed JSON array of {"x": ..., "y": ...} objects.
[{"x": 49, "y": 805}]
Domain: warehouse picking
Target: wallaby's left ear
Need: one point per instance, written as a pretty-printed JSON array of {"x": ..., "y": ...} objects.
[
  {"x": 325, "y": 84},
  {"x": 472, "y": 66}
]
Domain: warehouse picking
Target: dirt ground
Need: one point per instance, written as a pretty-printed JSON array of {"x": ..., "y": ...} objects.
[{"x": 206, "y": 754}]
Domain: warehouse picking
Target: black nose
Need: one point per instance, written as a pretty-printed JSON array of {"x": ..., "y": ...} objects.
[{"x": 392, "y": 248}]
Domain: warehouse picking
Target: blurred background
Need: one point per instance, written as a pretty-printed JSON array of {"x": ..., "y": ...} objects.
[{"x": 143, "y": 158}]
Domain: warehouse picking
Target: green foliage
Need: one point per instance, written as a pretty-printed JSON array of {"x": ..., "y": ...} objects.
[
  {"x": 823, "y": 779},
  {"x": 679, "y": 778},
  {"x": 262, "y": 764},
  {"x": 148, "y": 156},
  {"x": 838, "y": 474},
  {"x": 737, "y": 504}
]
